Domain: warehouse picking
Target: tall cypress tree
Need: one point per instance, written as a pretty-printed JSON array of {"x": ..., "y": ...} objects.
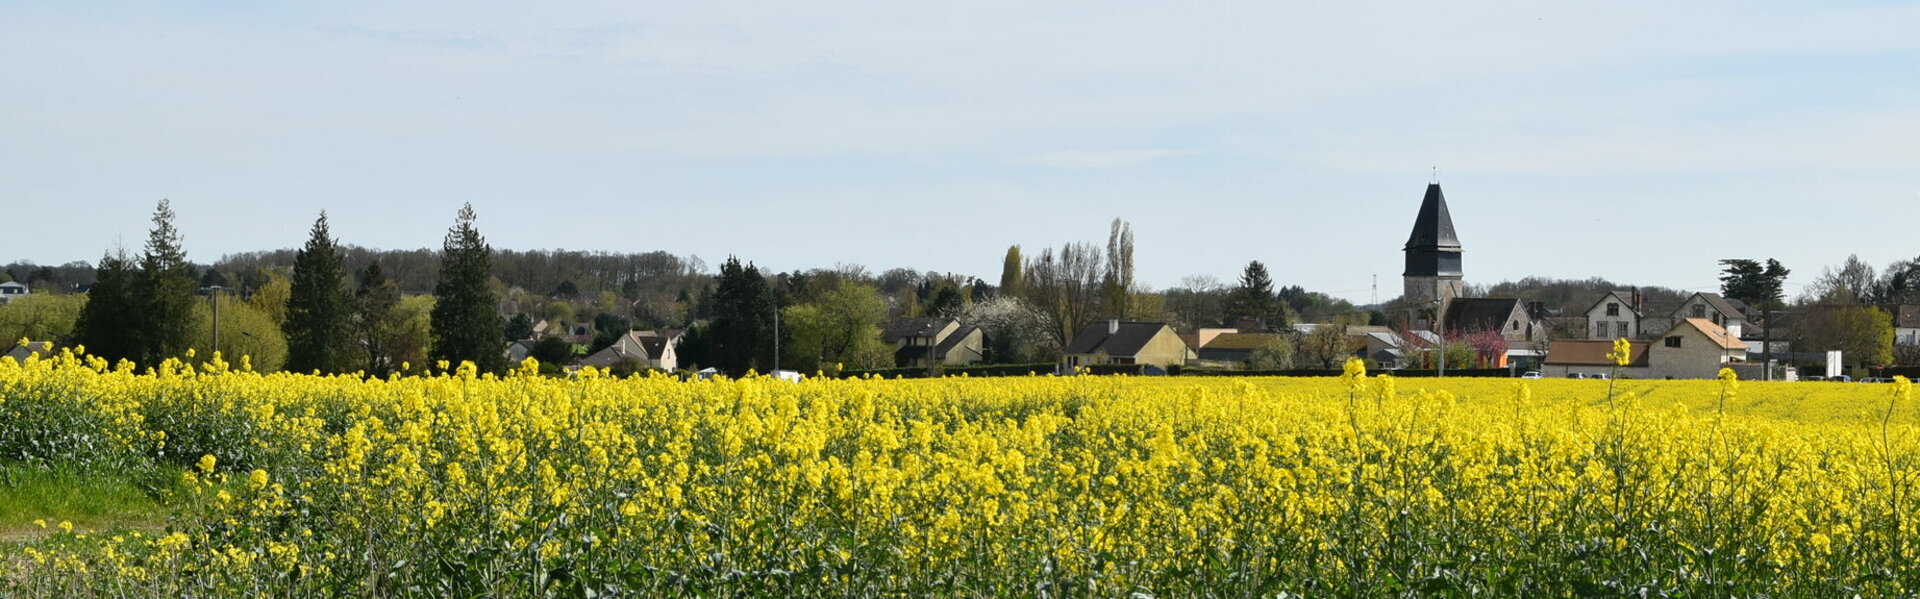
[
  {"x": 466, "y": 323},
  {"x": 164, "y": 291},
  {"x": 319, "y": 310},
  {"x": 742, "y": 325},
  {"x": 108, "y": 322}
]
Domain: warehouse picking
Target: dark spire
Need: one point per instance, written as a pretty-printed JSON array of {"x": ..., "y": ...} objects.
[{"x": 1432, "y": 249}]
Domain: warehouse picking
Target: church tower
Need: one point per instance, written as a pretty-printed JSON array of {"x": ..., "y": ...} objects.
[{"x": 1433, "y": 254}]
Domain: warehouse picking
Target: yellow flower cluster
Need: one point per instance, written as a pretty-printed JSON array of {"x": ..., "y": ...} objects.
[{"x": 466, "y": 485}]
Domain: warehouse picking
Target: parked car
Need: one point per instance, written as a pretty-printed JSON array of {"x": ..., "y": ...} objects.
[
  {"x": 1531, "y": 374},
  {"x": 1575, "y": 375},
  {"x": 1875, "y": 379},
  {"x": 1813, "y": 378},
  {"x": 1842, "y": 378}
]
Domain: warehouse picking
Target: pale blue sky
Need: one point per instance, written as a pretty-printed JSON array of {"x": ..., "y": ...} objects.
[{"x": 1638, "y": 141}]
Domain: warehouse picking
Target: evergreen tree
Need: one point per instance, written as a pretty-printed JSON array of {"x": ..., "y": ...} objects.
[
  {"x": 376, "y": 305},
  {"x": 466, "y": 322},
  {"x": 318, "y": 308},
  {"x": 1255, "y": 298},
  {"x": 519, "y": 327},
  {"x": 742, "y": 327},
  {"x": 164, "y": 289},
  {"x": 109, "y": 320}
]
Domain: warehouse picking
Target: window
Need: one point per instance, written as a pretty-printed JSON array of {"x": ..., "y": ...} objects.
[
  {"x": 1515, "y": 326},
  {"x": 1600, "y": 330},
  {"x": 1613, "y": 309},
  {"x": 1699, "y": 311},
  {"x": 1673, "y": 342},
  {"x": 1622, "y": 327}
]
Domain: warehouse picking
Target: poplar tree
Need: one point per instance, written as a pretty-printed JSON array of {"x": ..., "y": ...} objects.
[
  {"x": 1013, "y": 282},
  {"x": 466, "y": 323},
  {"x": 164, "y": 292},
  {"x": 319, "y": 311}
]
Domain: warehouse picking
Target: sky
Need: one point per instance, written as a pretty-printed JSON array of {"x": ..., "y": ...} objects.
[{"x": 1636, "y": 141}]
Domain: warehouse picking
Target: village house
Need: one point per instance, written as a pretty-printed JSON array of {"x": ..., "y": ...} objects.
[
  {"x": 1238, "y": 347},
  {"x": 1153, "y": 344},
  {"x": 12, "y": 290},
  {"x": 654, "y": 349},
  {"x": 1613, "y": 317},
  {"x": 1720, "y": 311},
  {"x": 1906, "y": 324},
  {"x": 944, "y": 340},
  {"x": 1694, "y": 348}
]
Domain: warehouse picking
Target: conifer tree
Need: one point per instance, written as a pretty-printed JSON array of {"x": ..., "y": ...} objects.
[
  {"x": 742, "y": 326},
  {"x": 108, "y": 322},
  {"x": 319, "y": 311},
  {"x": 466, "y": 322},
  {"x": 164, "y": 292},
  {"x": 377, "y": 322}
]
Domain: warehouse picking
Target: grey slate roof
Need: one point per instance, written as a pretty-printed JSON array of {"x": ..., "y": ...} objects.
[
  {"x": 1479, "y": 314},
  {"x": 913, "y": 327},
  {"x": 1433, "y": 249},
  {"x": 1724, "y": 305},
  {"x": 1128, "y": 341}
]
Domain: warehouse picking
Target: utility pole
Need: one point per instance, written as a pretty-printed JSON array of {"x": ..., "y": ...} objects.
[
  {"x": 213, "y": 293},
  {"x": 1440, "y": 328}
]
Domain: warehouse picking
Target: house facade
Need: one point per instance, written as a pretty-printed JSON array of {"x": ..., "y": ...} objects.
[
  {"x": 12, "y": 290},
  {"x": 655, "y": 349},
  {"x": 916, "y": 340},
  {"x": 1613, "y": 317},
  {"x": 1153, "y": 344},
  {"x": 1238, "y": 347},
  {"x": 1713, "y": 308},
  {"x": 1587, "y": 357},
  {"x": 1695, "y": 348}
]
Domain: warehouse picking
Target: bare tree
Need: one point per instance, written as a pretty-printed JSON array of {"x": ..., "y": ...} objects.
[{"x": 1065, "y": 287}]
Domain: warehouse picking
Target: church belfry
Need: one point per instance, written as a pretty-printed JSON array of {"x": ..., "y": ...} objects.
[{"x": 1433, "y": 253}]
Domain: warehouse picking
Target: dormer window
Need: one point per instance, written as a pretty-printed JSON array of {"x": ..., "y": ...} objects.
[{"x": 1613, "y": 309}]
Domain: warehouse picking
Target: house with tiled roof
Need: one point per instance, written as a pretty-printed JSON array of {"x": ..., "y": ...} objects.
[
  {"x": 943, "y": 340},
  {"x": 1612, "y": 317},
  {"x": 1725, "y": 313},
  {"x": 1588, "y": 357},
  {"x": 655, "y": 349},
  {"x": 1693, "y": 348},
  {"x": 1238, "y": 347},
  {"x": 1906, "y": 323},
  {"x": 1153, "y": 344}
]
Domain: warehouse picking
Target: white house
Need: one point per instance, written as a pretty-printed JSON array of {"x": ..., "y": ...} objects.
[
  {"x": 11, "y": 290},
  {"x": 1613, "y": 317},
  {"x": 1712, "y": 308}
]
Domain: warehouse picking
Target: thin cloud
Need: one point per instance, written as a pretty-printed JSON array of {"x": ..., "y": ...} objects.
[{"x": 1100, "y": 158}]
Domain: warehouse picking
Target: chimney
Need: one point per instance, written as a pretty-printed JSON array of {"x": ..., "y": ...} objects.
[{"x": 1113, "y": 326}]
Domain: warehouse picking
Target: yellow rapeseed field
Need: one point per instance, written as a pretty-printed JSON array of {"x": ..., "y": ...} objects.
[{"x": 1358, "y": 486}]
